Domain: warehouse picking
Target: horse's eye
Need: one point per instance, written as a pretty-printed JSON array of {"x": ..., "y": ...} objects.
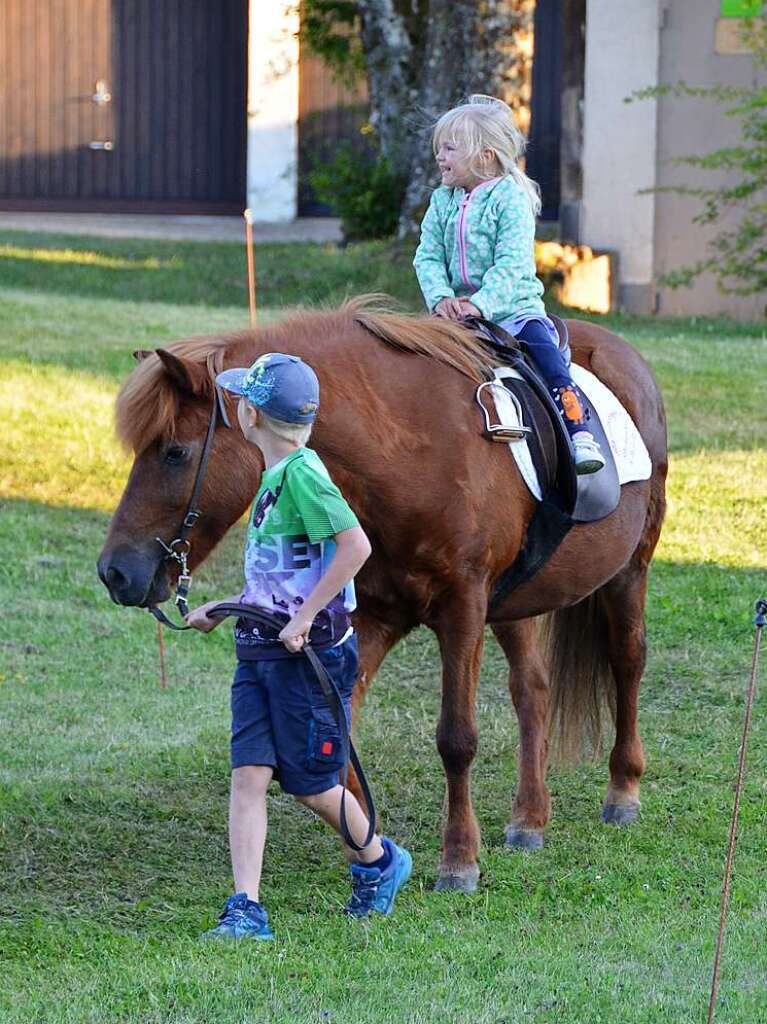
[{"x": 175, "y": 454}]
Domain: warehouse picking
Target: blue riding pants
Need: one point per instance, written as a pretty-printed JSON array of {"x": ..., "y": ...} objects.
[
  {"x": 546, "y": 355},
  {"x": 551, "y": 364}
]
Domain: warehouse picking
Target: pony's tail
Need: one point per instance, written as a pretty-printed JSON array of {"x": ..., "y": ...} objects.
[{"x": 581, "y": 681}]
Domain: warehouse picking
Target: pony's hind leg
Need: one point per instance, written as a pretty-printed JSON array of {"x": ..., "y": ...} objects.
[
  {"x": 623, "y": 600},
  {"x": 460, "y": 631},
  {"x": 528, "y": 683}
]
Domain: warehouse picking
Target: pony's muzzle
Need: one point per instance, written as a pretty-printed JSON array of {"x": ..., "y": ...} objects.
[{"x": 132, "y": 578}]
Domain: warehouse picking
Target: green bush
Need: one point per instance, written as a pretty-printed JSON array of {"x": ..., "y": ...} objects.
[{"x": 363, "y": 191}]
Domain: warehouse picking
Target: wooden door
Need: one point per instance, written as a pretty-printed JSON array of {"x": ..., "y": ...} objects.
[
  {"x": 123, "y": 104},
  {"x": 329, "y": 115},
  {"x": 52, "y": 55},
  {"x": 180, "y": 95},
  {"x": 543, "y": 153}
]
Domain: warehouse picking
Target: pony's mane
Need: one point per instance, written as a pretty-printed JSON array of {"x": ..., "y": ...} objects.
[
  {"x": 446, "y": 341},
  {"x": 147, "y": 405}
]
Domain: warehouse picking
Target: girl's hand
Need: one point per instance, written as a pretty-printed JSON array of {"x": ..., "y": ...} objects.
[
  {"x": 448, "y": 308},
  {"x": 296, "y": 633},
  {"x": 468, "y": 309},
  {"x": 198, "y": 618}
]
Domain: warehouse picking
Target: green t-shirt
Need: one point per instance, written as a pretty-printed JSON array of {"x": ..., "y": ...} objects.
[{"x": 296, "y": 513}]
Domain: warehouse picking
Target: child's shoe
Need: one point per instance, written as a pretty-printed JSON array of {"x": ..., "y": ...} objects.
[
  {"x": 375, "y": 889},
  {"x": 588, "y": 457},
  {"x": 242, "y": 919}
]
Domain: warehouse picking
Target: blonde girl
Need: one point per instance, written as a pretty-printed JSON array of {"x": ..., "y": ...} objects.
[{"x": 476, "y": 256}]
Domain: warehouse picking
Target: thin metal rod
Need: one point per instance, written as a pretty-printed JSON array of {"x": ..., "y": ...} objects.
[
  {"x": 734, "y": 821},
  {"x": 161, "y": 646},
  {"x": 251, "y": 258}
]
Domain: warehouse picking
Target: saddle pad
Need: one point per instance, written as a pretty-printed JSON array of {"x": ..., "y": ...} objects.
[
  {"x": 632, "y": 460},
  {"x": 629, "y": 450}
]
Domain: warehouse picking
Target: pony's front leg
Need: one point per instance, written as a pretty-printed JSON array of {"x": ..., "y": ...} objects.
[
  {"x": 460, "y": 632},
  {"x": 375, "y": 638}
]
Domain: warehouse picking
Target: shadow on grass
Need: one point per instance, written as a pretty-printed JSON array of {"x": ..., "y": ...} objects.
[
  {"x": 167, "y": 290},
  {"x": 199, "y": 273}
]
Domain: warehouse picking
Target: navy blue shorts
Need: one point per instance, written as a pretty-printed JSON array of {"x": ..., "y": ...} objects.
[{"x": 280, "y": 718}]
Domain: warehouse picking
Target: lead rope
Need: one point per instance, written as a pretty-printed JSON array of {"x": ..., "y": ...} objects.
[
  {"x": 334, "y": 701},
  {"x": 336, "y": 705},
  {"x": 759, "y": 622}
]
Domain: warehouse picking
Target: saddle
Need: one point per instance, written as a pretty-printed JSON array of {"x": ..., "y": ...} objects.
[{"x": 567, "y": 498}]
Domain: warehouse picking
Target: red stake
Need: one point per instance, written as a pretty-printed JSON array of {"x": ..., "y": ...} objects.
[
  {"x": 161, "y": 645},
  {"x": 248, "y": 215}
]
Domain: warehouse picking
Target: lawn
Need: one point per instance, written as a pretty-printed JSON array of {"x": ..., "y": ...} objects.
[{"x": 113, "y": 791}]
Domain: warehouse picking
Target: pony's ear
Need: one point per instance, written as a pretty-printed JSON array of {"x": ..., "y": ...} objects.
[
  {"x": 140, "y": 354},
  {"x": 187, "y": 375}
]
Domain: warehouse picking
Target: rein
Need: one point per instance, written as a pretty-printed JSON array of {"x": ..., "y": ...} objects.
[
  {"x": 178, "y": 551},
  {"x": 336, "y": 705}
]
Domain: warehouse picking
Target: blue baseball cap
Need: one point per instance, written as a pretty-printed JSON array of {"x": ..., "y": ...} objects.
[{"x": 285, "y": 387}]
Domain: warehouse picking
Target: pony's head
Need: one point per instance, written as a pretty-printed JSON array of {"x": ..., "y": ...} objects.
[
  {"x": 163, "y": 412},
  {"x": 164, "y": 408}
]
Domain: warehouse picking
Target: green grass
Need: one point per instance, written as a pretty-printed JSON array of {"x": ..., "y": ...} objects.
[{"x": 113, "y": 792}]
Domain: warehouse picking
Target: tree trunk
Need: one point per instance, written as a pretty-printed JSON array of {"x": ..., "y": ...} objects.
[
  {"x": 447, "y": 75},
  {"x": 389, "y": 63},
  {"x": 424, "y": 56},
  {"x": 482, "y": 57}
]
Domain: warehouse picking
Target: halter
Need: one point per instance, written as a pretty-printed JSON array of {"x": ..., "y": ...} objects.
[{"x": 179, "y": 548}]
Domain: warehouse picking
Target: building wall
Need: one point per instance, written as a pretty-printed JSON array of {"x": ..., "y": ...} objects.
[
  {"x": 631, "y": 147},
  {"x": 619, "y": 142},
  {"x": 695, "y": 126},
  {"x": 273, "y": 110}
]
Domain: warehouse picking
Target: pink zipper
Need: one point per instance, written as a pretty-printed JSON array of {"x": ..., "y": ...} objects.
[
  {"x": 462, "y": 240},
  {"x": 462, "y": 231}
]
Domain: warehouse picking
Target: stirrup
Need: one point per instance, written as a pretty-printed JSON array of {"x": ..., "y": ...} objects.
[{"x": 504, "y": 434}]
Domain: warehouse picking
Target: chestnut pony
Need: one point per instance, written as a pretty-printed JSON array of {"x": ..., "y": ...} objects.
[{"x": 446, "y": 513}]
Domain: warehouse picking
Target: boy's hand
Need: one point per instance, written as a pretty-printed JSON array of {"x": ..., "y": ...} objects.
[
  {"x": 198, "y": 618},
  {"x": 296, "y": 633},
  {"x": 449, "y": 309}
]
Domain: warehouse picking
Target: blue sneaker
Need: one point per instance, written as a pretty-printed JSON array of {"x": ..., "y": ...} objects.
[
  {"x": 242, "y": 919},
  {"x": 376, "y": 890}
]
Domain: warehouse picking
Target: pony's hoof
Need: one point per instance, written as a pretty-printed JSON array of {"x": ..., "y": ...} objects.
[
  {"x": 457, "y": 879},
  {"x": 620, "y": 814},
  {"x": 523, "y": 838}
]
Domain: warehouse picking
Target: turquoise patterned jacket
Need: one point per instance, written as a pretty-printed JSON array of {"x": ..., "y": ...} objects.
[{"x": 480, "y": 245}]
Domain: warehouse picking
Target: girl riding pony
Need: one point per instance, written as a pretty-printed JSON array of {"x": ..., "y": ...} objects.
[{"x": 476, "y": 256}]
